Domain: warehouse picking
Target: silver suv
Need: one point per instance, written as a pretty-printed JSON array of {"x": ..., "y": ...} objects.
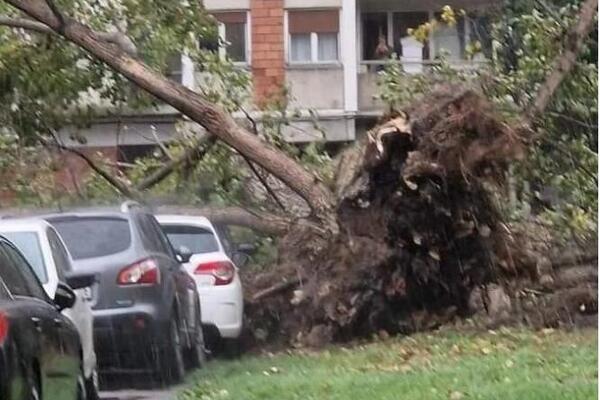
[{"x": 145, "y": 306}]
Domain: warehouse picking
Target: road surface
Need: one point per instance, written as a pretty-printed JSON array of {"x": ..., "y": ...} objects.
[
  {"x": 127, "y": 387},
  {"x": 134, "y": 394}
]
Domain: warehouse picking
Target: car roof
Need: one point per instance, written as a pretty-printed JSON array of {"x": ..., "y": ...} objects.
[
  {"x": 184, "y": 220},
  {"x": 23, "y": 224},
  {"x": 84, "y": 214}
]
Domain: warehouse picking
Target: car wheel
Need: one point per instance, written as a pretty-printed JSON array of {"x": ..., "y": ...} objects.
[
  {"x": 175, "y": 367},
  {"x": 198, "y": 350},
  {"x": 231, "y": 348},
  {"x": 92, "y": 386}
]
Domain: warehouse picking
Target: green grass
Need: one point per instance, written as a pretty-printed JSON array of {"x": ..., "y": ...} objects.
[{"x": 504, "y": 365}]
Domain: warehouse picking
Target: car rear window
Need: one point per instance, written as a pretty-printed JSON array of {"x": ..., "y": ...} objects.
[
  {"x": 197, "y": 240},
  {"x": 90, "y": 237},
  {"x": 28, "y": 243}
]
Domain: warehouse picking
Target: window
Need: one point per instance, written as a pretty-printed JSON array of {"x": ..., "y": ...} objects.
[
  {"x": 197, "y": 240},
  {"x": 14, "y": 281},
  {"x": 90, "y": 237},
  {"x": 153, "y": 237},
  {"x": 225, "y": 238},
  {"x": 150, "y": 239},
  {"x": 29, "y": 244},
  {"x": 313, "y": 36},
  {"x": 374, "y": 27},
  {"x": 59, "y": 254},
  {"x": 300, "y": 47},
  {"x": 233, "y": 32},
  {"x": 444, "y": 39},
  {"x": 19, "y": 266}
]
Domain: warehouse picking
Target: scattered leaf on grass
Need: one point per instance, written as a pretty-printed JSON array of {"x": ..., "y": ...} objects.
[{"x": 456, "y": 395}]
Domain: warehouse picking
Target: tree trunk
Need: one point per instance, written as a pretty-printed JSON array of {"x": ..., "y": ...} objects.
[
  {"x": 269, "y": 224},
  {"x": 210, "y": 116}
]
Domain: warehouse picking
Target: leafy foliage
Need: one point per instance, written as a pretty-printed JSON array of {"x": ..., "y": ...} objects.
[{"x": 558, "y": 179}]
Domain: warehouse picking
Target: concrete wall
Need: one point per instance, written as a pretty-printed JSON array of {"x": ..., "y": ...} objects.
[
  {"x": 340, "y": 128},
  {"x": 367, "y": 88},
  {"x": 316, "y": 87},
  {"x": 223, "y": 5},
  {"x": 129, "y": 132}
]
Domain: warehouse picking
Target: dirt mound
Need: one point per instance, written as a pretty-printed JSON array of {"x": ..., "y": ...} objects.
[{"x": 420, "y": 230}]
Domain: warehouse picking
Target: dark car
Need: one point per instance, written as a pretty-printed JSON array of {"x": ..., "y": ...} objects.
[
  {"x": 40, "y": 350},
  {"x": 146, "y": 308}
]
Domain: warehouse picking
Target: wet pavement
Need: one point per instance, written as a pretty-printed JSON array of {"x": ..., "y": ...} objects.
[
  {"x": 134, "y": 394},
  {"x": 126, "y": 387}
]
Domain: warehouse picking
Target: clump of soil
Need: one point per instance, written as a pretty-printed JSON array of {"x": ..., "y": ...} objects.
[{"x": 420, "y": 231}]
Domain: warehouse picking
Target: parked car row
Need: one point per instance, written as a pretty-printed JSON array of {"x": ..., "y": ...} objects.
[{"x": 111, "y": 291}]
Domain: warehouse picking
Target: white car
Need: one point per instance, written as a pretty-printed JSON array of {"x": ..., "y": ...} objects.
[
  {"x": 207, "y": 256},
  {"x": 44, "y": 249}
]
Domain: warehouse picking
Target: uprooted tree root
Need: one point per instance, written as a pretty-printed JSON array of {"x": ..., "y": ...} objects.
[{"x": 420, "y": 230}]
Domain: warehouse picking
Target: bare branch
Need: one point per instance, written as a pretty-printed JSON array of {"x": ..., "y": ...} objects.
[
  {"x": 191, "y": 154},
  {"x": 24, "y": 23},
  {"x": 107, "y": 176},
  {"x": 115, "y": 37}
]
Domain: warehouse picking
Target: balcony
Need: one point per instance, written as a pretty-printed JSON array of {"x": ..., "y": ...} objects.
[{"x": 382, "y": 38}]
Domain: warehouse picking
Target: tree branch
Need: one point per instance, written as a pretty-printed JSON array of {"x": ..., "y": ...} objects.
[
  {"x": 564, "y": 62},
  {"x": 191, "y": 154},
  {"x": 115, "y": 37},
  {"x": 107, "y": 176},
  {"x": 269, "y": 224},
  {"x": 24, "y": 23},
  {"x": 209, "y": 115}
]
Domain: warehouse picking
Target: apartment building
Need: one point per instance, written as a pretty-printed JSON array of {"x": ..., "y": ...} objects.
[{"x": 324, "y": 51}]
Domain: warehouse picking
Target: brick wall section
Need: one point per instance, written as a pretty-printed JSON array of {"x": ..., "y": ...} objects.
[
  {"x": 72, "y": 172},
  {"x": 267, "y": 48}
]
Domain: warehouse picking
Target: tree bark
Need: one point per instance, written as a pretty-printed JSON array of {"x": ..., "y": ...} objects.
[
  {"x": 212, "y": 117},
  {"x": 269, "y": 224}
]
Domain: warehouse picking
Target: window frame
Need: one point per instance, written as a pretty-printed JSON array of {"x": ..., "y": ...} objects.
[
  {"x": 314, "y": 41},
  {"x": 247, "y": 42},
  {"x": 58, "y": 251}
]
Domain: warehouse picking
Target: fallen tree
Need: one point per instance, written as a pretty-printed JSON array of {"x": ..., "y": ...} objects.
[{"x": 412, "y": 228}]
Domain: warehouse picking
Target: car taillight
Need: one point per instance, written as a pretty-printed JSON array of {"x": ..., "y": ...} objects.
[
  {"x": 144, "y": 272},
  {"x": 4, "y": 324},
  {"x": 222, "y": 271}
]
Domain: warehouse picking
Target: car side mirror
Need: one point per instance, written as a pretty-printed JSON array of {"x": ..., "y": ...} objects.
[
  {"x": 80, "y": 281},
  {"x": 246, "y": 248},
  {"x": 64, "y": 296},
  {"x": 183, "y": 254}
]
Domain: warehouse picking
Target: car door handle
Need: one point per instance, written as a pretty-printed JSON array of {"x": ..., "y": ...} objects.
[
  {"x": 37, "y": 322},
  {"x": 57, "y": 321}
]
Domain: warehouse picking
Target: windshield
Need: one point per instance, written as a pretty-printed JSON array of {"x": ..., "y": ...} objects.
[
  {"x": 90, "y": 237},
  {"x": 28, "y": 244},
  {"x": 195, "y": 239}
]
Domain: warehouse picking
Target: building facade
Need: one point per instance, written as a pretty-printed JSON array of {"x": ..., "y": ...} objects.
[{"x": 324, "y": 51}]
